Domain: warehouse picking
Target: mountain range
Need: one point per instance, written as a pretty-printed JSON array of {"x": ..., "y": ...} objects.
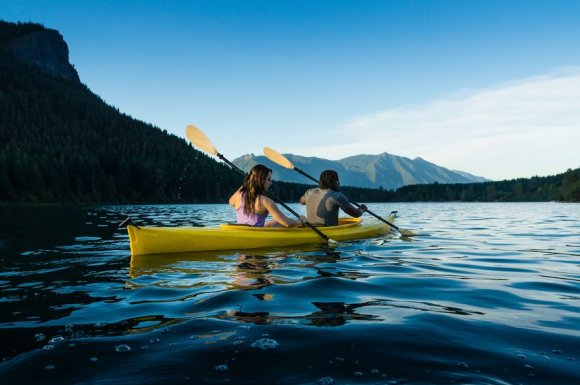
[{"x": 386, "y": 171}]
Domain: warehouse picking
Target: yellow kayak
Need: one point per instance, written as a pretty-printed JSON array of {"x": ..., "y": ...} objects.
[{"x": 157, "y": 240}]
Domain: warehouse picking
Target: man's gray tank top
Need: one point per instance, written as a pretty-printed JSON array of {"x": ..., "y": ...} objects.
[{"x": 322, "y": 206}]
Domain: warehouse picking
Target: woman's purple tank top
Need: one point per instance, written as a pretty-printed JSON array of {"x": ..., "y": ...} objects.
[{"x": 256, "y": 220}]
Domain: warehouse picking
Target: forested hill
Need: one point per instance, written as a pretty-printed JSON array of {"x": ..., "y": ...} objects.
[{"x": 61, "y": 143}]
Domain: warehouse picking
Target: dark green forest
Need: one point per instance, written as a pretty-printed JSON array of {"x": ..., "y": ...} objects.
[
  {"x": 60, "y": 143},
  {"x": 562, "y": 187}
]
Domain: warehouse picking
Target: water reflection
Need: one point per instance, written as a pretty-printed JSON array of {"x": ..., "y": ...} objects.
[
  {"x": 252, "y": 272},
  {"x": 253, "y": 269}
]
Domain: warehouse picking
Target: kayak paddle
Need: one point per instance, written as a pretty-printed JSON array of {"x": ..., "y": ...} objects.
[
  {"x": 280, "y": 159},
  {"x": 199, "y": 139}
]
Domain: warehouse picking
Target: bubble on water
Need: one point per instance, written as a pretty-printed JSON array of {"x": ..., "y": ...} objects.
[
  {"x": 154, "y": 340},
  {"x": 521, "y": 356},
  {"x": 72, "y": 345},
  {"x": 94, "y": 359},
  {"x": 326, "y": 381},
  {"x": 100, "y": 324},
  {"x": 556, "y": 351},
  {"x": 39, "y": 337},
  {"x": 375, "y": 371},
  {"x": 238, "y": 342},
  {"x": 265, "y": 344},
  {"x": 358, "y": 374},
  {"x": 193, "y": 337},
  {"x": 528, "y": 366},
  {"x": 245, "y": 327},
  {"x": 144, "y": 347},
  {"x": 48, "y": 347},
  {"x": 49, "y": 367},
  {"x": 339, "y": 359},
  {"x": 56, "y": 339},
  {"x": 122, "y": 348},
  {"x": 222, "y": 368},
  {"x": 462, "y": 365}
]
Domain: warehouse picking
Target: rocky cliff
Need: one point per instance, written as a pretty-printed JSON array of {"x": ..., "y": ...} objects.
[{"x": 39, "y": 47}]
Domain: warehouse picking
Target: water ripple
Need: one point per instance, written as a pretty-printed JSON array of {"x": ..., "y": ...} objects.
[{"x": 486, "y": 294}]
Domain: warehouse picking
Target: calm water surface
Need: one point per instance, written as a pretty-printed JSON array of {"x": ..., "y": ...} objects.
[{"x": 487, "y": 294}]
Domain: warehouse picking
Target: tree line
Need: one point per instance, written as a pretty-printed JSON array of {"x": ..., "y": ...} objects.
[{"x": 563, "y": 187}]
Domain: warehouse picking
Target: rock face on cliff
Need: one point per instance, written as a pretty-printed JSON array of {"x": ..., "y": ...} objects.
[{"x": 44, "y": 49}]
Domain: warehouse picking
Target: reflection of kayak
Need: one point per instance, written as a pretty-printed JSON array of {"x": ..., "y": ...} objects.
[
  {"x": 156, "y": 240},
  {"x": 181, "y": 262},
  {"x": 144, "y": 264}
]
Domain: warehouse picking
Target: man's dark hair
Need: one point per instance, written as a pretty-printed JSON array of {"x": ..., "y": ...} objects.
[{"x": 328, "y": 180}]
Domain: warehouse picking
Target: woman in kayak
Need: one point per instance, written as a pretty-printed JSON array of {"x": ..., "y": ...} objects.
[
  {"x": 252, "y": 206},
  {"x": 322, "y": 203}
]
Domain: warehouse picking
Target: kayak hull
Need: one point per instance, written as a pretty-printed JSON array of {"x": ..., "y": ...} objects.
[{"x": 156, "y": 240}]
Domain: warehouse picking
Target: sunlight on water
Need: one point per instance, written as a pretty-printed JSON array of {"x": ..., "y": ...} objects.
[{"x": 487, "y": 294}]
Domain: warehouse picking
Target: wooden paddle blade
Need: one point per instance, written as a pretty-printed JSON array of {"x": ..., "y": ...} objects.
[
  {"x": 198, "y": 138},
  {"x": 392, "y": 217},
  {"x": 407, "y": 233},
  {"x": 278, "y": 158}
]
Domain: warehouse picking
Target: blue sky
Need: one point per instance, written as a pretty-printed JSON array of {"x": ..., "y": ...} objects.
[{"x": 487, "y": 87}]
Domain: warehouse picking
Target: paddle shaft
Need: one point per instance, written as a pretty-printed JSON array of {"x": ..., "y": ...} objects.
[
  {"x": 275, "y": 198},
  {"x": 351, "y": 201}
]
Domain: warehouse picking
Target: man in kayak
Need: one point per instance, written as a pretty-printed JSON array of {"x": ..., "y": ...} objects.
[
  {"x": 322, "y": 203},
  {"x": 252, "y": 206}
]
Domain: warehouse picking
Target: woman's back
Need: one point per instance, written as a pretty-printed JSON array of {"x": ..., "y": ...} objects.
[{"x": 253, "y": 218}]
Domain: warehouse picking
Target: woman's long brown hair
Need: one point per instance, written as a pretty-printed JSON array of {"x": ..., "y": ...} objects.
[{"x": 253, "y": 186}]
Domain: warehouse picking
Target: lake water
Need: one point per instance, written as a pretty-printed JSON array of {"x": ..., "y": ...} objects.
[{"x": 486, "y": 294}]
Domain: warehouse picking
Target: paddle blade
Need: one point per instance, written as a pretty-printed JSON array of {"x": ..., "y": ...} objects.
[
  {"x": 403, "y": 232},
  {"x": 278, "y": 158},
  {"x": 198, "y": 138},
  {"x": 407, "y": 233}
]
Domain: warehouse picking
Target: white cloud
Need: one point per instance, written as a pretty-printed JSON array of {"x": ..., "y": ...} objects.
[{"x": 521, "y": 129}]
